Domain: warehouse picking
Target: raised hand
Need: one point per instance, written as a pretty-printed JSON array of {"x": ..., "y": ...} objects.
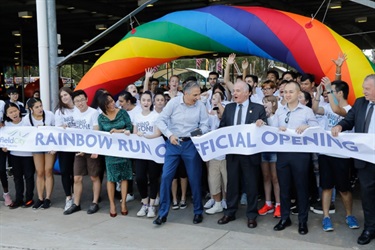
[
  {"x": 149, "y": 72},
  {"x": 245, "y": 64},
  {"x": 231, "y": 59},
  {"x": 340, "y": 59}
]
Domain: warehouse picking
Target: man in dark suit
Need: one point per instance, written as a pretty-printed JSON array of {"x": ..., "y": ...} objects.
[
  {"x": 362, "y": 117},
  {"x": 243, "y": 111}
]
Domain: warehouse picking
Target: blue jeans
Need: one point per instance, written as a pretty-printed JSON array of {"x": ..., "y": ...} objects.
[{"x": 174, "y": 153}]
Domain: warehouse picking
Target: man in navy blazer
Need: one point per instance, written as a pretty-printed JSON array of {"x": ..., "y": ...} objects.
[
  {"x": 243, "y": 111},
  {"x": 356, "y": 117}
]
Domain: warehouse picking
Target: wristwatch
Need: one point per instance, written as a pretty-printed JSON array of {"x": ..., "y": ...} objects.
[{"x": 330, "y": 92}]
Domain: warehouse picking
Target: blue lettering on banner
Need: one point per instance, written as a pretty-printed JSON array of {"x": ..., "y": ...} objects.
[
  {"x": 160, "y": 150},
  {"x": 218, "y": 139},
  {"x": 272, "y": 136}
]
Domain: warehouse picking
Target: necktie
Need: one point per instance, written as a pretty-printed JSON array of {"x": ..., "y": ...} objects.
[
  {"x": 368, "y": 117},
  {"x": 239, "y": 114}
]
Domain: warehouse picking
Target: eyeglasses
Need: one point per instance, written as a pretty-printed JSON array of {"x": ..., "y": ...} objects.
[
  {"x": 287, "y": 117},
  {"x": 281, "y": 92},
  {"x": 212, "y": 79},
  {"x": 264, "y": 89},
  {"x": 80, "y": 101}
]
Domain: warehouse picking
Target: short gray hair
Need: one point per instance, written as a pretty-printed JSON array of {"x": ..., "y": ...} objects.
[
  {"x": 189, "y": 85},
  {"x": 372, "y": 76}
]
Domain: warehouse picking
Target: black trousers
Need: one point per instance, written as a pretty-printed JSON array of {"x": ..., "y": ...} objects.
[
  {"x": 242, "y": 166},
  {"x": 66, "y": 161},
  {"x": 147, "y": 172},
  {"x": 366, "y": 177},
  {"x": 3, "y": 169},
  {"x": 23, "y": 168},
  {"x": 294, "y": 167}
]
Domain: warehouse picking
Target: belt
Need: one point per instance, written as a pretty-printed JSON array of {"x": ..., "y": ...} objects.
[{"x": 184, "y": 138}]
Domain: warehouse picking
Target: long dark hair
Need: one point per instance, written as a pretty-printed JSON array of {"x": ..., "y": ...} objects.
[
  {"x": 103, "y": 101},
  {"x": 147, "y": 92},
  {"x": 30, "y": 103},
  {"x": 128, "y": 97}
]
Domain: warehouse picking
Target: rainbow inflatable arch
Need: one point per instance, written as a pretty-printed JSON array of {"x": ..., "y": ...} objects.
[{"x": 303, "y": 43}]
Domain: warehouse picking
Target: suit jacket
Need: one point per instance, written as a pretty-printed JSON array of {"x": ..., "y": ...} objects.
[
  {"x": 356, "y": 118},
  {"x": 254, "y": 112}
]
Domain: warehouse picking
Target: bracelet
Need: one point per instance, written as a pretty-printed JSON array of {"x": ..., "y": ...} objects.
[
  {"x": 317, "y": 100},
  {"x": 338, "y": 74}
]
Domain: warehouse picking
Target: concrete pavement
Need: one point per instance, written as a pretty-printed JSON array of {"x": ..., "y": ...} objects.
[{"x": 24, "y": 228}]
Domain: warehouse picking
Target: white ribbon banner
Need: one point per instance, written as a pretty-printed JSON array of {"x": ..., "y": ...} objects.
[
  {"x": 39, "y": 139},
  {"x": 242, "y": 139},
  {"x": 249, "y": 139}
]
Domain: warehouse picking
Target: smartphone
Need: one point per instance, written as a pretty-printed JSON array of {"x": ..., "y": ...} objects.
[{"x": 196, "y": 132}]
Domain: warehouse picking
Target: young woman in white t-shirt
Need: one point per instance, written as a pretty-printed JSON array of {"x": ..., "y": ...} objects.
[
  {"x": 144, "y": 125},
  {"x": 64, "y": 118},
  {"x": 22, "y": 162},
  {"x": 43, "y": 161}
]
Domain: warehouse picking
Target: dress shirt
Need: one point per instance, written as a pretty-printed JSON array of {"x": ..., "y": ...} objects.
[
  {"x": 301, "y": 115},
  {"x": 371, "y": 128},
  {"x": 245, "y": 106},
  {"x": 179, "y": 119}
]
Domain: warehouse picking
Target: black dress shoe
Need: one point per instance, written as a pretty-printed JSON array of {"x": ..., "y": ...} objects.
[
  {"x": 251, "y": 223},
  {"x": 160, "y": 220},
  {"x": 225, "y": 219},
  {"x": 198, "y": 218},
  {"x": 365, "y": 237},
  {"x": 302, "y": 228},
  {"x": 282, "y": 224}
]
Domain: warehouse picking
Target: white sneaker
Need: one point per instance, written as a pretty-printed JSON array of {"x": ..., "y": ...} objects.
[
  {"x": 142, "y": 211},
  {"x": 157, "y": 202},
  {"x": 209, "y": 203},
  {"x": 224, "y": 203},
  {"x": 129, "y": 197},
  {"x": 118, "y": 186},
  {"x": 217, "y": 208},
  {"x": 151, "y": 212},
  {"x": 7, "y": 199},
  {"x": 68, "y": 204}
]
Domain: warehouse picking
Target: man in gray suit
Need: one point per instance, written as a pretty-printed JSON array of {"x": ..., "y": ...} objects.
[
  {"x": 362, "y": 118},
  {"x": 242, "y": 111}
]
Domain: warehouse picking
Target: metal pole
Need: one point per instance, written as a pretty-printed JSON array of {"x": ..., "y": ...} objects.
[
  {"x": 104, "y": 33},
  {"x": 41, "y": 9},
  {"x": 52, "y": 49}
]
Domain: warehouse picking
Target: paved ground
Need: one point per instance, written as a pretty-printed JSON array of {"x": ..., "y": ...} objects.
[{"x": 50, "y": 229}]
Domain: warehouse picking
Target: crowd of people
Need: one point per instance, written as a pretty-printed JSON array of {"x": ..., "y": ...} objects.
[{"x": 286, "y": 180}]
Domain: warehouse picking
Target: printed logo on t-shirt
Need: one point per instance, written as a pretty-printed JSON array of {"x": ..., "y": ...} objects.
[
  {"x": 69, "y": 121},
  {"x": 82, "y": 124},
  {"x": 145, "y": 127}
]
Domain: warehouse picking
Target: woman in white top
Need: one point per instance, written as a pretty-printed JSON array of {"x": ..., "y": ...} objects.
[
  {"x": 43, "y": 161},
  {"x": 147, "y": 171},
  {"x": 22, "y": 162},
  {"x": 64, "y": 118}
]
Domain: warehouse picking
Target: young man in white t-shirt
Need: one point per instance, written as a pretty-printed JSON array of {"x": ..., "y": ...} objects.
[
  {"x": 85, "y": 117},
  {"x": 334, "y": 171}
]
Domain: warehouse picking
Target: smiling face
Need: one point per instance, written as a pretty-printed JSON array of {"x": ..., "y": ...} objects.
[
  {"x": 65, "y": 98},
  {"x": 110, "y": 105},
  {"x": 80, "y": 101},
  {"x": 192, "y": 96},
  {"x": 307, "y": 86},
  {"x": 369, "y": 89},
  {"x": 291, "y": 92},
  {"x": 302, "y": 99}
]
